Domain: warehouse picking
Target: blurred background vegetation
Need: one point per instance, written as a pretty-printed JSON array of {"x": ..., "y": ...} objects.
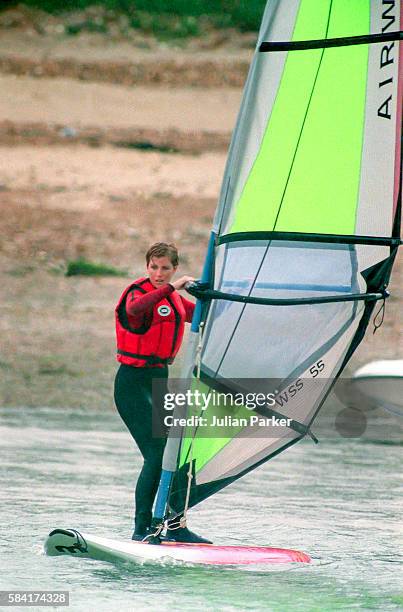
[{"x": 162, "y": 18}]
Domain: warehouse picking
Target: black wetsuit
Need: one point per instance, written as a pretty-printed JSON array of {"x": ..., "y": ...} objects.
[{"x": 144, "y": 419}]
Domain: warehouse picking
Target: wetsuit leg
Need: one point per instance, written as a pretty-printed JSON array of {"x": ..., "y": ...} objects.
[{"x": 133, "y": 398}]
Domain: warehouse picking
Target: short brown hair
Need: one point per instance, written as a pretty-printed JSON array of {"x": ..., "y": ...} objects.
[{"x": 163, "y": 249}]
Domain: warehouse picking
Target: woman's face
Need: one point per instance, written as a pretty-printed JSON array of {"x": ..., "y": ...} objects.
[{"x": 160, "y": 271}]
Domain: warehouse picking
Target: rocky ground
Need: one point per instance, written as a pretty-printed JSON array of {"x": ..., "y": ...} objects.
[{"x": 107, "y": 145}]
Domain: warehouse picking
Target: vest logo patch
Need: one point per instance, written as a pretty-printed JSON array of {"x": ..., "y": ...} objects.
[{"x": 164, "y": 311}]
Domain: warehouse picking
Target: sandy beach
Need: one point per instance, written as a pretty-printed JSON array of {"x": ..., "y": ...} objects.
[{"x": 93, "y": 166}]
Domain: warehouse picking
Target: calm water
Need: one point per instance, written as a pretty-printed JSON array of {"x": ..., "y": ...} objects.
[{"x": 338, "y": 501}]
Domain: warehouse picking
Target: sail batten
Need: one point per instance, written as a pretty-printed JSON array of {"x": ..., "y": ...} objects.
[{"x": 326, "y": 43}]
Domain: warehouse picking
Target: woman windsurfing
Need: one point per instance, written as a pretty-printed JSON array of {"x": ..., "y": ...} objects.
[{"x": 150, "y": 322}]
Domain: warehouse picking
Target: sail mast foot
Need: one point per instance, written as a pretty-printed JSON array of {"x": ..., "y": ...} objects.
[
  {"x": 155, "y": 537},
  {"x": 158, "y": 520}
]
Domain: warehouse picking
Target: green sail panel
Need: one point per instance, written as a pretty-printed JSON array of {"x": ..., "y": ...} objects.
[
  {"x": 205, "y": 448},
  {"x": 302, "y": 180}
]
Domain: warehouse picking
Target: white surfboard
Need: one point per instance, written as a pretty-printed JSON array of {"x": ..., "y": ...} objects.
[{"x": 72, "y": 542}]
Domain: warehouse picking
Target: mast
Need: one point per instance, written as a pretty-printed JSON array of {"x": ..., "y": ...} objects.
[{"x": 172, "y": 448}]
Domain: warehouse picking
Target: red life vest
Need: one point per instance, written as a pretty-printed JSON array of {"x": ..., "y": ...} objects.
[{"x": 155, "y": 343}]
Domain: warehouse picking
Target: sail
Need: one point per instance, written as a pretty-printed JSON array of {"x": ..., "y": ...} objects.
[{"x": 305, "y": 233}]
